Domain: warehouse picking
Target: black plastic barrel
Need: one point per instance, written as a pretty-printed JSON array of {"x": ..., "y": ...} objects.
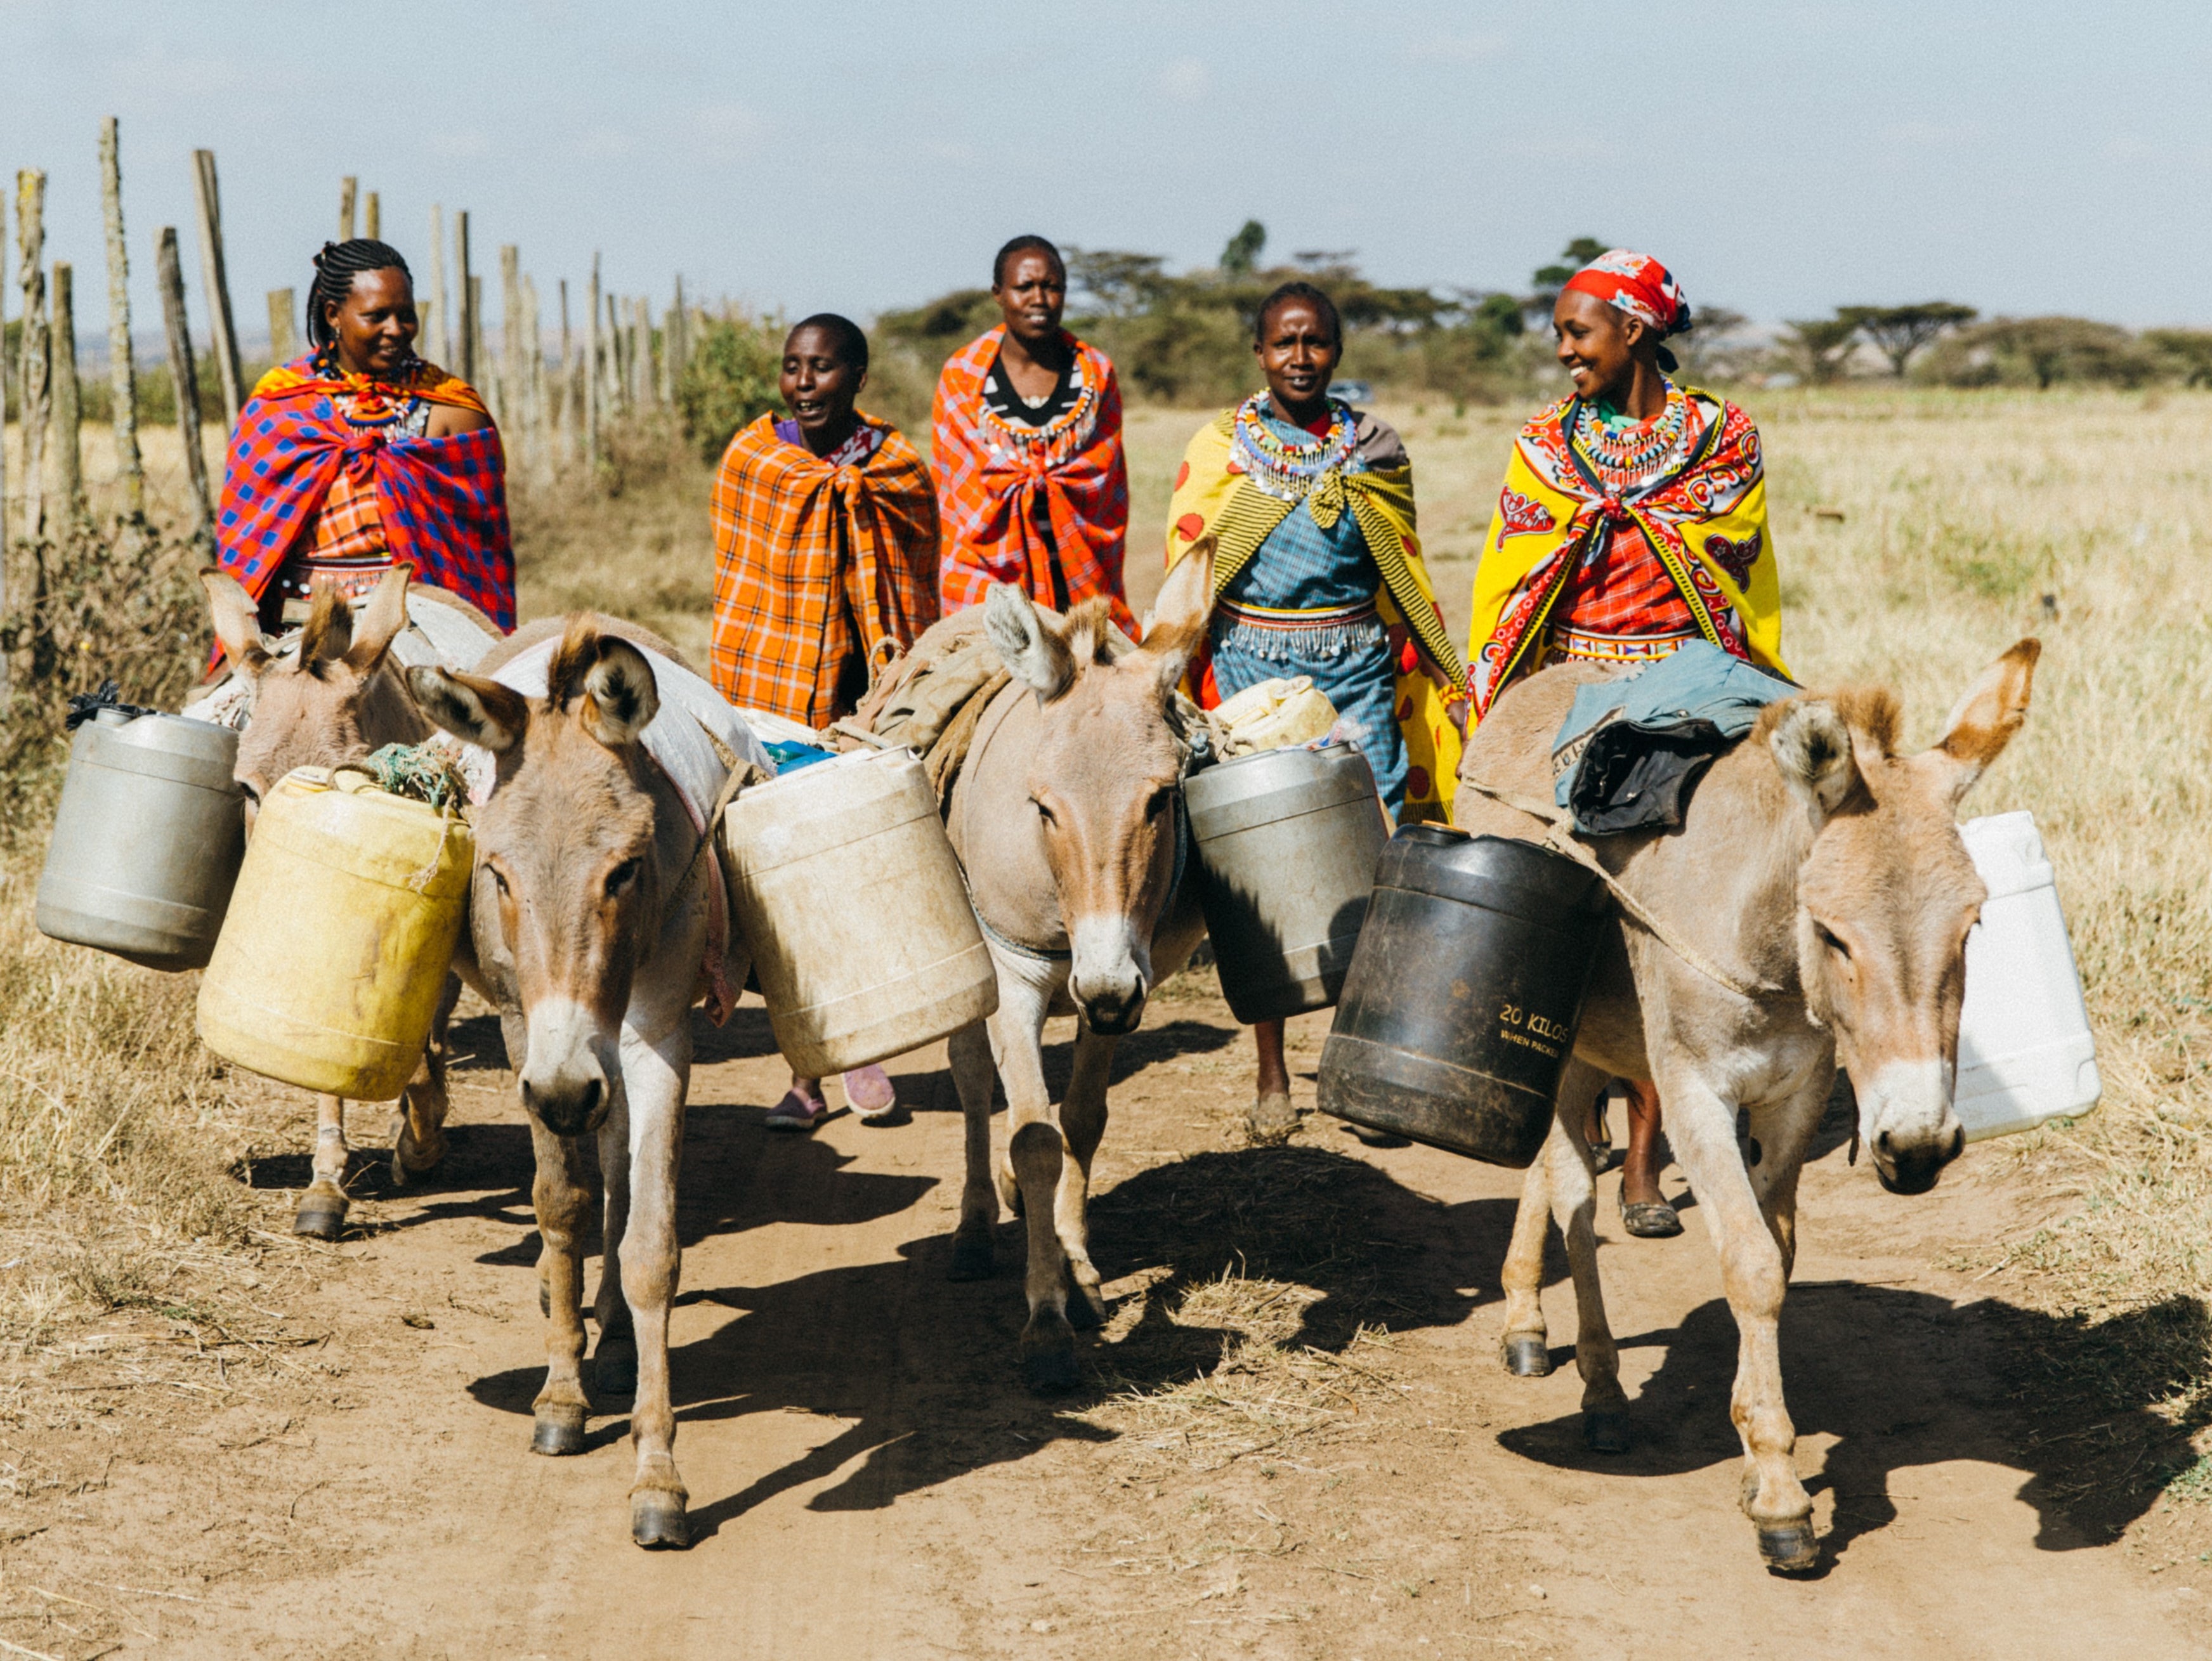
[{"x": 1460, "y": 1008}]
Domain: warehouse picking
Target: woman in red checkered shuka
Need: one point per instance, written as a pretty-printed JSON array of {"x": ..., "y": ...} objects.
[{"x": 360, "y": 456}]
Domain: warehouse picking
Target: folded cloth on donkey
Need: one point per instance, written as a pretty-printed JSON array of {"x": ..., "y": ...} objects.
[
  {"x": 1634, "y": 746},
  {"x": 695, "y": 740}
]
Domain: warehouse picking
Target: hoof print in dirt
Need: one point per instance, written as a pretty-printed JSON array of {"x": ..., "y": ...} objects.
[
  {"x": 560, "y": 1431},
  {"x": 1606, "y": 1431},
  {"x": 318, "y": 1224},
  {"x": 1050, "y": 1372},
  {"x": 614, "y": 1367},
  {"x": 657, "y": 1522},
  {"x": 974, "y": 1258},
  {"x": 1527, "y": 1357},
  {"x": 1789, "y": 1549}
]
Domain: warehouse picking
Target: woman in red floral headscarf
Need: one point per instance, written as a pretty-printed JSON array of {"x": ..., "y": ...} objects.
[{"x": 1632, "y": 520}]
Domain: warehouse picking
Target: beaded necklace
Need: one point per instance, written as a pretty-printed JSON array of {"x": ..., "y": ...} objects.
[
  {"x": 1287, "y": 469},
  {"x": 1626, "y": 456}
]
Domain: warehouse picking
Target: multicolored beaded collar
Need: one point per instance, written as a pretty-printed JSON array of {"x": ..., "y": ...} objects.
[
  {"x": 1623, "y": 455},
  {"x": 1287, "y": 469}
]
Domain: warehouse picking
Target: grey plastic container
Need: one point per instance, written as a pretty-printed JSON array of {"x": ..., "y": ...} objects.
[
  {"x": 147, "y": 840},
  {"x": 1287, "y": 841}
]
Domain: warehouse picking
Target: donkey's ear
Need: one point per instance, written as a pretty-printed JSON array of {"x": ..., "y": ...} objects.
[
  {"x": 1985, "y": 719},
  {"x": 620, "y": 697},
  {"x": 328, "y": 630},
  {"x": 1033, "y": 652},
  {"x": 473, "y": 709},
  {"x": 1186, "y": 599},
  {"x": 380, "y": 622},
  {"x": 237, "y": 629},
  {"x": 1812, "y": 746}
]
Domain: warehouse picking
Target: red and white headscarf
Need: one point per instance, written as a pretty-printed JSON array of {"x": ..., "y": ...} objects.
[{"x": 1638, "y": 285}]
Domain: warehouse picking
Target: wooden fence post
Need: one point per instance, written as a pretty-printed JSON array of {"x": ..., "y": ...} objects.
[
  {"x": 467, "y": 331},
  {"x": 7, "y": 669},
  {"x": 346, "y": 188},
  {"x": 122, "y": 372},
  {"x": 183, "y": 378},
  {"x": 565, "y": 412},
  {"x": 592, "y": 388},
  {"x": 679, "y": 338},
  {"x": 439, "y": 332},
  {"x": 69, "y": 404},
  {"x": 283, "y": 335},
  {"x": 373, "y": 218},
  {"x": 640, "y": 351},
  {"x": 477, "y": 354},
  {"x": 513, "y": 398},
  {"x": 541, "y": 437},
  {"x": 216, "y": 279},
  {"x": 617, "y": 360},
  {"x": 34, "y": 347}
]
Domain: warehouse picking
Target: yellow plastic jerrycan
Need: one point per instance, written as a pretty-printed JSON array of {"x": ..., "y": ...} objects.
[{"x": 339, "y": 935}]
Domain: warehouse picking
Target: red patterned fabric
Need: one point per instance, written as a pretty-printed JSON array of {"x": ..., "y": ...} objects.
[
  {"x": 1637, "y": 284},
  {"x": 441, "y": 502},
  {"x": 1046, "y": 507}
]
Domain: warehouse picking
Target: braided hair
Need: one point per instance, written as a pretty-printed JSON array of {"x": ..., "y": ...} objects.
[{"x": 335, "y": 268}]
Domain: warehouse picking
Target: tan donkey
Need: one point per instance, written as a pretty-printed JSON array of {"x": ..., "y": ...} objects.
[
  {"x": 1068, "y": 819},
  {"x": 1819, "y": 867},
  {"x": 589, "y": 922},
  {"x": 337, "y": 699}
]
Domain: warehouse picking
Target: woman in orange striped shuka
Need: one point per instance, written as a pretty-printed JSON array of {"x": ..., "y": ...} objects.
[{"x": 825, "y": 549}]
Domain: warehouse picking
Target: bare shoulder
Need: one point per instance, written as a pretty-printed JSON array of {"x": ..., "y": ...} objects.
[
  {"x": 1379, "y": 446},
  {"x": 449, "y": 421}
]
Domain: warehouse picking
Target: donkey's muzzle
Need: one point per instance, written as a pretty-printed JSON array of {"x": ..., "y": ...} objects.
[
  {"x": 1913, "y": 1167},
  {"x": 573, "y": 1106},
  {"x": 1114, "y": 1016}
]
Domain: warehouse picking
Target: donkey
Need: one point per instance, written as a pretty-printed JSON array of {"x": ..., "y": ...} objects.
[
  {"x": 1067, "y": 818},
  {"x": 336, "y": 700},
  {"x": 1817, "y": 865},
  {"x": 589, "y": 922}
]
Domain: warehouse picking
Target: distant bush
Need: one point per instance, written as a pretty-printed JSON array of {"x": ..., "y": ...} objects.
[
  {"x": 2184, "y": 354},
  {"x": 730, "y": 380},
  {"x": 2041, "y": 352}
]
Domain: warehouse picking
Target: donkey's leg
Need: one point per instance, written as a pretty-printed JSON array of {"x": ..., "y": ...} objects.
[
  {"x": 418, "y": 1129},
  {"x": 1572, "y": 1176},
  {"x": 321, "y": 1215},
  {"x": 973, "y": 1076},
  {"x": 560, "y": 1194},
  {"x": 1701, "y": 1129},
  {"x": 614, "y": 1363},
  {"x": 655, "y": 1079},
  {"x": 1527, "y": 1351},
  {"x": 1035, "y": 1157},
  {"x": 1082, "y": 1122},
  {"x": 1781, "y": 1132}
]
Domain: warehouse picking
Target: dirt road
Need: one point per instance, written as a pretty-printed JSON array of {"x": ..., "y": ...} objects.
[{"x": 1293, "y": 1440}]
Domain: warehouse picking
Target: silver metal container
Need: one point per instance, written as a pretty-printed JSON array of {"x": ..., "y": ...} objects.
[
  {"x": 1287, "y": 841},
  {"x": 147, "y": 840}
]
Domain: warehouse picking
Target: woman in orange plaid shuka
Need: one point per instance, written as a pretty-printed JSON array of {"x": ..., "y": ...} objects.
[
  {"x": 825, "y": 547},
  {"x": 825, "y": 539}
]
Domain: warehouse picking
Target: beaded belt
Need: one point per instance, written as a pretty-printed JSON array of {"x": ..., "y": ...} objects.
[
  {"x": 1274, "y": 633},
  {"x": 1565, "y": 642},
  {"x": 356, "y": 575}
]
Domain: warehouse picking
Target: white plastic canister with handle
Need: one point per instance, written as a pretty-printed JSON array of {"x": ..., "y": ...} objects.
[{"x": 2026, "y": 1054}]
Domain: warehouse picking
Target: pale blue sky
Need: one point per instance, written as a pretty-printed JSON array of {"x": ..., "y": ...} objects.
[{"x": 1783, "y": 158}]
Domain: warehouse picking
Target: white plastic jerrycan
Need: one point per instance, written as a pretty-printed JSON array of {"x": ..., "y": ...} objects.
[{"x": 2025, "y": 1052}]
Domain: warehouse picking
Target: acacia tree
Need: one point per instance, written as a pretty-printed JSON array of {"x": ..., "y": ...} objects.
[
  {"x": 1822, "y": 345},
  {"x": 1242, "y": 253},
  {"x": 1898, "y": 332}
]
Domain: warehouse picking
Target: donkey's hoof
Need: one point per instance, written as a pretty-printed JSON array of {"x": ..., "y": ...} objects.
[
  {"x": 657, "y": 1520},
  {"x": 560, "y": 1431},
  {"x": 1605, "y": 1430},
  {"x": 1083, "y": 1314},
  {"x": 1272, "y": 1118},
  {"x": 1788, "y": 1548},
  {"x": 1527, "y": 1355},
  {"x": 317, "y": 1219},
  {"x": 1049, "y": 1372},
  {"x": 614, "y": 1367},
  {"x": 974, "y": 1258}
]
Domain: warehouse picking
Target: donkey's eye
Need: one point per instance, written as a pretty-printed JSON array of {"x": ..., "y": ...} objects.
[
  {"x": 1045, "y": 812},
  {"x": 621, "y": 877},
  {"x": 1832, "y": 942},
  {"x": 1162, "y": 800},
  {"x": 498, "y": 876}
]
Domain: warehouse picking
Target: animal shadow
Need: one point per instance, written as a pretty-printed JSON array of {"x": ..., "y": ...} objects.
[{"x": 1903, "y": 1378}]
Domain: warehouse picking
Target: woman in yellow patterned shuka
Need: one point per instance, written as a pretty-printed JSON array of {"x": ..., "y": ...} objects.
[
  {"x": 1634, "y": 520},
  {"x": 1317, "y": 572}
]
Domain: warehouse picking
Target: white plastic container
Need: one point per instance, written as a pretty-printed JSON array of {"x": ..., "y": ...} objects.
[
  {"x": 851, "y": 899},
  {"x": 2025, "y": 1051}
]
